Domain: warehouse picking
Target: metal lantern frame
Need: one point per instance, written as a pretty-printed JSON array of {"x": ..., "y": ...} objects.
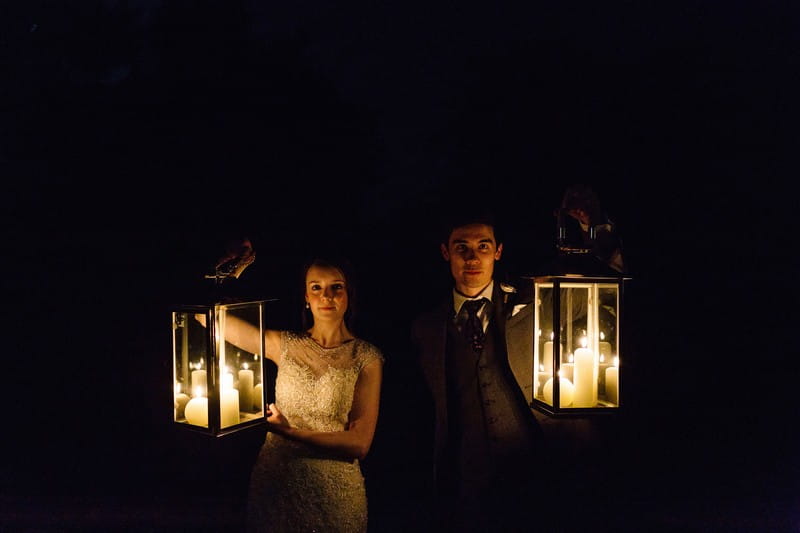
[
  {"x": 209, "y": 348},
  {"x": 556, "y": 283}
]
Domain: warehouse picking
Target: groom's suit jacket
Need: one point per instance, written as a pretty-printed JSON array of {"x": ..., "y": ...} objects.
[{"x": 429, "y": 334}]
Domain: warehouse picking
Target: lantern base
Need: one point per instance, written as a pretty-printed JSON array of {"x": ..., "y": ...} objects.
[{"x": 602, "y": 408}]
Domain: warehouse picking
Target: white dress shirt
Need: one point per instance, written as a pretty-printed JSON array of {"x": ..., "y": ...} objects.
[{"x": 459, "y": 299}]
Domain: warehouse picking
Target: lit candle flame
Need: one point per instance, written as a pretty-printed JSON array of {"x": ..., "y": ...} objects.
[
  {"x": 198, "y": 392},
  {"x": 602, "y": 358},
  {"x": 538, "y": 332},
  {"x": 552, "y": 335},
  {"x": 616, "y": 361},
  {"x": 177, "y": 388},
  {"x": 602, "y": 336},
  {"x": 245, "y": 366},
  {"x": 541, "y": 368},
  {"x": 584, "y": 342},
  {"x": 571, "y": 358}
]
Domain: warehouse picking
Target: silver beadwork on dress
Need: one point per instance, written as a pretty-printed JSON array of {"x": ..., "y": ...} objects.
[{"x": 296, "y": 487}]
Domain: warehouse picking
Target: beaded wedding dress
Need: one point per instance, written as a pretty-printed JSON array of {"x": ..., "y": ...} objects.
[{"x": 295, "y": 487}]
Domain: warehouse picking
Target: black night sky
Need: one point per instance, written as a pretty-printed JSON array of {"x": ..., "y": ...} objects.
[{"x": 136, "y": 137}]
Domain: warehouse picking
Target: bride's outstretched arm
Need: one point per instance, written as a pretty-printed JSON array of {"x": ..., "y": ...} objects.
[
  {"x": 244, "y": 335},
  {"x": 354, "y": 442}
]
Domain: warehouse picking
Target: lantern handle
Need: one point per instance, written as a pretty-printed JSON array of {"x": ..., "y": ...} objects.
[{"x": 238, "y": 256}]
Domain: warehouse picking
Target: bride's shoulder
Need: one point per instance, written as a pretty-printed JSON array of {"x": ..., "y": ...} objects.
[{"x": 366, "y": 352}]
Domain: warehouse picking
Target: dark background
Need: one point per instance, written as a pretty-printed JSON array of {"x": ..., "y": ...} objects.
[{"x": 138, "y": 136}]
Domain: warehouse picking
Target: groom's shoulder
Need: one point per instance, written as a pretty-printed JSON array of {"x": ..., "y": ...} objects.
[{"x": 517, "y": 290}]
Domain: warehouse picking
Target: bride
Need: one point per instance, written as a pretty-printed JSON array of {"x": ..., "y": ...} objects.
[{"x": 307, "y": 475}]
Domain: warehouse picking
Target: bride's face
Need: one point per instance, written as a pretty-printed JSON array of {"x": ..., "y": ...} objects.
[{"x": 326, "y": 293}]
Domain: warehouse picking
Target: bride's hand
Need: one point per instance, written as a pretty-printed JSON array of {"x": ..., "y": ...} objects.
[{"x": 275, "y": 419}]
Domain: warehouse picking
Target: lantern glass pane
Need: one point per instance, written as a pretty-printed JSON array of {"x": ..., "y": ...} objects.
[
  {"x": 608, "y": 344},
  {"x": 576, "y": 348},
  {"x": 191, "y": 353},
  {"x": 586, "y": 356},
  {"x": 241, "y": 389},
  {"x": 543, "y": 364}
]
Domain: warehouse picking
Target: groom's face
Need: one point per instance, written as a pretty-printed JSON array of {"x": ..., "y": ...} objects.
[{"x": 471, "y": 251}]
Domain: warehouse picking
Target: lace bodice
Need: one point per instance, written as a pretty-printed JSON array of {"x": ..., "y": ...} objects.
[{"x": 314, "y": 387}]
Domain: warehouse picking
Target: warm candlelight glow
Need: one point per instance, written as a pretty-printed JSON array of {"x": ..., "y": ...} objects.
[
  {"x": 199, "y": 382},
  {"x": 197, "y": 392},
  {"x": 602, "y": 336},
  {"x": 584, "y": 342},
  {"x": 571, "y": 358},
  {"x": 245, "y": 366},
  {"x": 227, "y": 380},
  {"x": 602, "y": 358},
  {"x": 616, "y": 361}
]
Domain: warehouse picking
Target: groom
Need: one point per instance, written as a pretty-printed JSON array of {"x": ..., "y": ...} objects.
[{"x": 486, "y": 439}]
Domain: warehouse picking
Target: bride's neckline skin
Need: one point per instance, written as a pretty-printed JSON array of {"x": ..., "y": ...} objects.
[{"x": 330, "y": 341}]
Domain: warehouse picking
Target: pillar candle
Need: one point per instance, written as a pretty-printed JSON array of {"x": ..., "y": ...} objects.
[
  {"x": 585, "y": 380},
  {"x": 542, "y": 377},
  {"x": 612, "y": 383},
  {"x": 199, "y": 380},
  {"x": 547, "y": 357},
  {"x": 566, "y": 392},
  {"x": 228, "y": 402},
  {"x": 246, "y": 388},
  {"x": 197, "y": 411},
  {"x": 257, "y": 397},
  {"x": 229, "y": 408},
  {"x": 181, "y": 400}
]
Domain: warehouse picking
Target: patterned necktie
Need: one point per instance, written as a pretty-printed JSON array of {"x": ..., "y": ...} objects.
[{"x": 473, "y": 325}]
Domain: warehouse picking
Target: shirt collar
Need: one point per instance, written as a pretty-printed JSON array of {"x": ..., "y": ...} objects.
[{"x": 459, "y": 299}]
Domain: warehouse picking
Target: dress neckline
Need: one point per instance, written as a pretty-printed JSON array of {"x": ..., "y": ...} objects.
[{"x": 328, "y": 348}]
